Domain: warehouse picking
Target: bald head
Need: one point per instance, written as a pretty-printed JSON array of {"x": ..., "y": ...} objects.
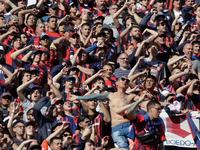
[{"x": 188, "y": 50}]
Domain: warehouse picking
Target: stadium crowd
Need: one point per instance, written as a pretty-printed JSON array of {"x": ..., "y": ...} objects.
[{"x": 96, "y": 74}]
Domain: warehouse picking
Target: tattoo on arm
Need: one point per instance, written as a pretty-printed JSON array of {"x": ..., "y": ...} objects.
[
  {"x": 97, "y": 96},
  {"x": 132, "y": 108}
]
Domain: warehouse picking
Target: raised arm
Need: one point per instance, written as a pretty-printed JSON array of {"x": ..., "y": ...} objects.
[
  {"x": 90, "y": 97},
  {"x": 191, "y": 87},
  {"x": 5, "y": 35},
  {"x": 135, "y": 76},
  {"x": 64, "y": 126},
  {"x": 20, "y": 147},
  {"x": 171, "y": 61},
  {"x": 105, "y": 111},
  {"x": 15, "y": 55},
  {"x": 10, "y": 78},
  {"x": 40, "y": 5},
  {"x": 183, "y": 88},
  {"x": 55, "y": 90},
  {"x": 17, "y": 9},
  {"x": 23, "y": 12},
  {"x": 57, "y": 77},
  {"x": 172, "y": 78},
  {"x": 23, "y": 86},
  {"x": 122, "y": 35},
  {"x": 136, "y": 66},
  {"x": 174, "y": 24},
  {"x": 10, "y": 121},
  {"x": 89, "y": 80},
  {"x": 73, "y": 59},
  {"x": 58, "y": 42},
  {"x": 115, "y": 16}
]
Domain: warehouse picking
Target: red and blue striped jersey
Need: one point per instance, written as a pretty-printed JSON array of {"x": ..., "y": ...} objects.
[
  {"x": 61, "y": 14},
  {"x": 71, "y": 125},
  {"x": 76, "y": 138},
  {"x": 7, "y": 41},
  {"x": 30, "y": 32},
  {"x": 41, "y": 73},
  {"x": 82, "y": 75},
  {"x": 9, "y": 60}
]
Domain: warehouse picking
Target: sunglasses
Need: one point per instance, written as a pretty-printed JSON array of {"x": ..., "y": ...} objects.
[
  {"x": 65, "y": 135},
  {"x": 178, "y": 23},
  {"x": 159, "y": 109},
  {"x": 123, "y": 79},
  {"x": 93, "y": 100},
  {"x": 71, "y": 80},
  {"x": 163, "y": 24}
]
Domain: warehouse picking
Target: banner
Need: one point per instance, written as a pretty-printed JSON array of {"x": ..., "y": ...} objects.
[{"x": 177, "y": 129}]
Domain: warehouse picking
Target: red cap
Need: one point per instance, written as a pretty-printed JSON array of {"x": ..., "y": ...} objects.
[{"x": 74, "y": 33}]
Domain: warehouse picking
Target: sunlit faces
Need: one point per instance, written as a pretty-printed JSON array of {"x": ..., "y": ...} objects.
[
  {"x": 36, "y": 96},
  {"x": 67, "y": 106},
  {"x": 149, "y": 83},
  {"x": 85, "y": 30},
  {"x": 189, "y": 2},
  {"x": 113, "y": 9},
  {"x": 123, "y": 82},
  {"x": 26, "y": 77},
  {"x": 196, "y": 49},
  {"x": 108, "y": 71},
  {"x": 52, "y": 23},
  {"x": 17, "y": 44},
  {"x": 135, "y": 32},
  {"x": 85, "y": 15},
  {"x": 153, "y": 50},
  {"x": 84, "y": 123},
  {"x": 144, "y": 2},
  {"x": 101, "y": 5},
  {"x": 31, "y": 21},
  {"x": 123, "y": 60},
  {"x": 45, "y": 41},
  {"x": 40, "y": 28},
  {"x": 155, "y": 111},
  {"x": 188, "y": 50}
]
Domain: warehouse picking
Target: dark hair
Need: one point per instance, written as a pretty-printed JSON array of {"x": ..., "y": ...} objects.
[
  {"x": 152, "y": 77},
  {"x": 29, "y": 16},
  {"x": 190, "y": 34},
  {"x": 89, "y": 141},
  {"x": 76, "y": 93},
  {"x": 85, "y": 24},
  {"x": 21, "y": 75},
  {"x": 152, "y": 44},
  {"x": 126, "y": 18},
  {"x": 54, "y": 138},
  {"x": 50, "y": 110},
  {"x": 97, "y": 79},
  {"x": 195, "y": 42},
  {"x": 175, "y": 68},
  {"x": 152, "y": 103},
  {"x": 98, "y": 23},
  {"x": 81, "y": 119},
  {"x": 106, "y": 65},
  {"x": 191, "y": 77},
  {"x": 143, "y": 67},
  {"x": 15, "y": 38},
  {"x": 35, "y": 88},
  {"x": 50, "y": 18},
  {"x": 15, "y": 123}
]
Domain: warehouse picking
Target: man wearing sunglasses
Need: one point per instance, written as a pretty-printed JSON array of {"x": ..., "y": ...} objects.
[
  {"x": 120, "y": 125},
  {"x": 147, "y": 131}
]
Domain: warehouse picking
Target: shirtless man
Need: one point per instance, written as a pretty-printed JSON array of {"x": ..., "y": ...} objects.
[{"x": 120, "y": 125}]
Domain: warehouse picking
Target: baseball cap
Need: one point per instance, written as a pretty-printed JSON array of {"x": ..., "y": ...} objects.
[
  {"x": 159, "y": 21},
  {"x": 85, "y": 10},
  {"x": 42, "y": 35},
  {"x": 72, "y": 34},
  {"x": 67, "y": 28},
  {"x": 161, "y": 34},
  {"x": 100, "y": 34},
  {"x": 32, "y": 147},
  {"x": 1, "y": 48},
  {"x": 5, "y": 94},
  {"x": 63, "y": 23},
  {"x": 55, "y": 124},
  {"x": 55, "y": 100},
  {"x": 33, "y": 123},
  {"x": 180, "y": 97},
  {"x": 72, "y": 68},
  {"x": 54, "y": 6},
  {"x": 68, "y": 62},
  {"x": 33, "y": 69},
  {"x": 73, "y": 4},
  {"x": 36, "y": 51},
  {"x": 99, "y": 17},
  {"x": 69, "y": 77}
]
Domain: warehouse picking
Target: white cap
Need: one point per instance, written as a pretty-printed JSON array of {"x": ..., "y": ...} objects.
[{"x": 1, "y": 48}]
